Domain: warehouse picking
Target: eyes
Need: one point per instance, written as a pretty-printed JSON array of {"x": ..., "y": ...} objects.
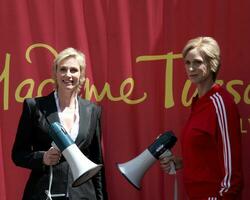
[
  {"x": 65, "y": 69},
  {"x": 194, "y": 63}
]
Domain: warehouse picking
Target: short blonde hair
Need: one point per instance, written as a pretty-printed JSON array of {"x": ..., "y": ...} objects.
[
  {"x": 209, "y": 50},
  {"x": 78, "y": 55}
]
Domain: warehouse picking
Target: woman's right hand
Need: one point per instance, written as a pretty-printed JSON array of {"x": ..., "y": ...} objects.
[{"x": 52, "y": 156}]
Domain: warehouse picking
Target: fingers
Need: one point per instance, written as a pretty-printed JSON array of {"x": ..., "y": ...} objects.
[
  {"x": 165, "y": 168},
  {"x": 166, "y": 160},
  {"x": 165, "y": 164},
  {"x": 52, "y": 156},
  {"x": 54, "y": 151}
]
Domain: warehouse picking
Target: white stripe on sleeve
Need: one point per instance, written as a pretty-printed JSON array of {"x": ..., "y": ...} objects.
[{"x": 222, "y": 119}]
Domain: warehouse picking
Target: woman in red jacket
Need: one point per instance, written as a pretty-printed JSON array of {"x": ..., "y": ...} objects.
[{"x": 211, "y": 138}]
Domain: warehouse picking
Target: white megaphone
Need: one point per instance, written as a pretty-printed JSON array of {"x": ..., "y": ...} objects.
[
  {"x": 82, "y": 168},
  {"x": 135, "y": 169}
]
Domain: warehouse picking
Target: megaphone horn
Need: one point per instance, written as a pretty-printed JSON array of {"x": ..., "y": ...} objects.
[
  {"x": 135, "y": 169},
  {"x": 82, "y": 168}
]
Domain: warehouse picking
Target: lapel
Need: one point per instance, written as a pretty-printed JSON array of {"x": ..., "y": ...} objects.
[
  {"x": 84, "y": 121},
  {"x": 48, "y": 107}
]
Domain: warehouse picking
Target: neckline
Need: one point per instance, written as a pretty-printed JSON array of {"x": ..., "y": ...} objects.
[
  {"x": 58, "y": 106},
  {"x": 212, "y": 90}
]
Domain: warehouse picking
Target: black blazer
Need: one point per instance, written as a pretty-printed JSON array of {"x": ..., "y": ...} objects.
[{"x": 32, "y": 140}]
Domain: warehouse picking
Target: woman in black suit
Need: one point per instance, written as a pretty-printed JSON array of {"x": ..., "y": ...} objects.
[{"x": 50, "y": 172}]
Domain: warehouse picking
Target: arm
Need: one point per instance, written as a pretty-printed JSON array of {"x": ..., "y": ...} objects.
[
  {"x": 22, "y": 151},
  {"x": 96, "y": 155},
  {"x": 229, "y": 146}
]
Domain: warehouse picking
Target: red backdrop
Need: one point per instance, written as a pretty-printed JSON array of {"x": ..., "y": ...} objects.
[{"x": 134, "y": 70}]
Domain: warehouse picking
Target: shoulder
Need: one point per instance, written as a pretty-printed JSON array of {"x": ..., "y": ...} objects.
[
  {"x": 83, "y": 103},
  {"x": 226, "y": 96},
  {"x": 223, "y": 99},
  {"x": 32, "y": 102}
]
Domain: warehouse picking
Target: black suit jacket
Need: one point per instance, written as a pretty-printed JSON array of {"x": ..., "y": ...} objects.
[{"x": 32, "y": 140}]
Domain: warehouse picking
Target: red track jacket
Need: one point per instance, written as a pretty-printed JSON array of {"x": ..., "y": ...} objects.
[{"x": 211, "y": 146}]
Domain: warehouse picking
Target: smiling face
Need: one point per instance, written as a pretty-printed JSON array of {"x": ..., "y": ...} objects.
[
  {"x": 68, "y": 74},
  {"x": 197, "y": 69}
]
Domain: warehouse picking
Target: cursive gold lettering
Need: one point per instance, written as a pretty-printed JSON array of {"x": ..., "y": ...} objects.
[
  {"x": 246, "y": 95},
  {"x": 232, "y": 91},
  {"x": 169, "y": 99},
  {"x": 30, "y": 83},
  {"x": 43, "y": 84},
  {"x": 91, "y": 90},
  {"x": 5, "y": 78},
  {"x": 184, "y": 97},
  {"x": 38, "y": 45}
]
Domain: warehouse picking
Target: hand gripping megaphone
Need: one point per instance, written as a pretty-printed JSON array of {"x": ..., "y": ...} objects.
[
  {"x": 82, "y": 168},
  {"x": 135, "y": 169}
]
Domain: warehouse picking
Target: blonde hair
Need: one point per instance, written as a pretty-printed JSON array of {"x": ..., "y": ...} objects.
[
  {"x": 209, "y": 50},
  {"x": 78, "y": 55}
]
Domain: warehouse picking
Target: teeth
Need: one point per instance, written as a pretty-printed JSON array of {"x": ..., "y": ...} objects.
[{"x": 67, "y": 81}]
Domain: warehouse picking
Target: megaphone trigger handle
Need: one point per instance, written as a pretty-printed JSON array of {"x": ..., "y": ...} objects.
[
  {"x": 172, "y": 168},
  {"x": 168, "y": 153},
  {"x": 53, "y": 144}
]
